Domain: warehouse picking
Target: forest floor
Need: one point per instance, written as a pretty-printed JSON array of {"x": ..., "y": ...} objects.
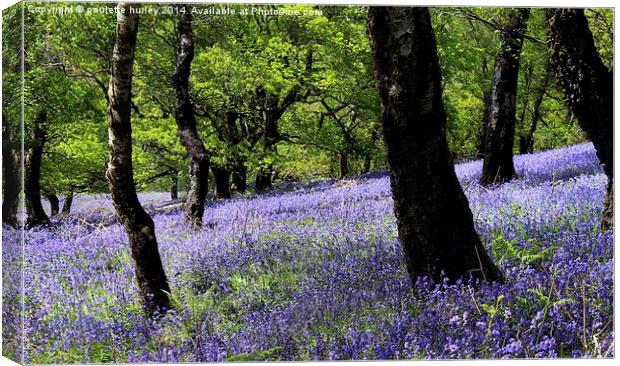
[{"x": 317, "y": 273}]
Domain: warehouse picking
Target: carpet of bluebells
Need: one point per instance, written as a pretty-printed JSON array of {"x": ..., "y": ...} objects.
[{"x": 316, "y": 272}]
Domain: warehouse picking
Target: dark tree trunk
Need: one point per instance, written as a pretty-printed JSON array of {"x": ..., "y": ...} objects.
[
  {"x": 32, "y": 168},
  {"x": 240, "y": 178},
  {"x": 343, "y": 165},
  {"x": 222, "y": 182},
  {"x": 587, "y": 86},
  {"x": 500, "y": 108},
  {"x": 186, "y": 123},
  {"x": 174, "y": 187},
  {"x": 11, "y": 186},
  {"x": 435, "y": 224},
  {"x": 54, "y": 204},
  {"x": 66, "y": 206},
  {"x": 526, "y": 141},
  {"x": 263, "y": 180},
  {"x": 151, "y": 278},
  {"x": 607, "y": 216}
]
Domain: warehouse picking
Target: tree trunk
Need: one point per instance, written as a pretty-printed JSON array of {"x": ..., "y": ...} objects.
[
  {"x": 32, "y": 180},
  {"x": 607, "y": 216},
  {"x": 151, "y": 278},
  {"x": 587, "y": 86},
  {"x": 240, "y": 177},
  {"x": 54, "y": 204},
  {"x": 11, "y": 182},
  {"x": 66, "y": 206},
  {"x": 174, "y": 190},
  {"x": 500, "y": 108},
  {"x": 343, "y": 165},
  {"x": 186, "y": 123},
  {"x": 222, "y": 182},
  {"x": 263, "y": 180},
  {"x": 435, "y": 224},
  {"x": 526, "y": 142}
]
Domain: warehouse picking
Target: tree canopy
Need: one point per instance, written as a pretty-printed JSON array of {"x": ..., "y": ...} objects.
[{"x": 290, "y": 97}]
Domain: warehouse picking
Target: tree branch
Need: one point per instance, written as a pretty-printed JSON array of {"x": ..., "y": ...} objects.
[{"x": 469, "y": 14}]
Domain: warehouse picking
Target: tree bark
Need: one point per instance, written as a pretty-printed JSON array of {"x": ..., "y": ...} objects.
[
  {"x": 500, "y": 108},
  {"x": 435, "y": 224},
  {"x": 239, "y": 177},
  {"x": 35, "y": 214},
  {"x": 54, "y": 204},
  {"x": 343, "y": 165},
  {"x": 152, "y": 281},
  {"x": 174, "y": 187},
  {"x": 186, "y": 123},
  {"x": 66, "y": 206},
  {"x": 263, "y": 180},
  {"x": 587, "y": 86},
  {"x": 11, "y": 184},
  {"x": 222, "y": 182},
  {"x": 607, "y": 216}
]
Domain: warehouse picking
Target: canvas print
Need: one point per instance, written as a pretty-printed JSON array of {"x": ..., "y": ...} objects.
[{"x": 297, "y": 182}]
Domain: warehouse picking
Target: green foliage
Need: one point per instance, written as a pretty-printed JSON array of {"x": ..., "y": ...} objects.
[
  {"x": 317, "y": 70},
  {"x": 11, "y": 78},
  {"x": 467, "y": 47},
  {"x": 466, "y": 53},
  {"x": 529, "y": 253},
  {"x": 601, "y": 22}
]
